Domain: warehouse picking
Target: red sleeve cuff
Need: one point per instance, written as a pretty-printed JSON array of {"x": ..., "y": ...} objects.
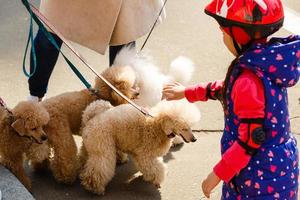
[
  {"x": 233, "y": 160},
  {"x": 196, "y": 93},
  {"x": 224, "y": 171}
]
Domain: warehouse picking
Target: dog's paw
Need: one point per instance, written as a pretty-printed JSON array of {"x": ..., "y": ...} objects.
[
  {"x": 92, "y": 184},
  {"x": 64, "y": 176},
  {"x": 92, "y": 180}
]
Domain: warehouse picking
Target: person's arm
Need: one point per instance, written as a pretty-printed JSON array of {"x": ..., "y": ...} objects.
[
  {"x": 204, "y": 91},
  {"x": 249, "y": 104},
  {"x": 199, "y": 92}
]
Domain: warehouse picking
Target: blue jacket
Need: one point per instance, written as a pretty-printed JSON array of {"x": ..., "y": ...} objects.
[{"x": 273, "y": 170}]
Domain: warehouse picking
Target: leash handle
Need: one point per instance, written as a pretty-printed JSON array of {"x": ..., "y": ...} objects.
[
  {"x": 40, "y": 19},
  {"x": 30, "y": 40}
]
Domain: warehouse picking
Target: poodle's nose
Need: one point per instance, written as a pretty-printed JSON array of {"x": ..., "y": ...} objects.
[
  {"x": 44, "y": 137},
  {"x": 194, "y": 139}
]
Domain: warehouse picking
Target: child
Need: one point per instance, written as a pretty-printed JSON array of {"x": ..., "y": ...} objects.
[{"x": 259, "y": 153}]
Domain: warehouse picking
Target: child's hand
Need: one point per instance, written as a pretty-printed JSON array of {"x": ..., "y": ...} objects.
[
  {"x": 174, "y": 91},
  {"x": 210, "y": 183}
]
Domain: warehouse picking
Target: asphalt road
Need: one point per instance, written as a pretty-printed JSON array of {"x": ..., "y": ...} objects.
[{"x": 187, "y": 31}]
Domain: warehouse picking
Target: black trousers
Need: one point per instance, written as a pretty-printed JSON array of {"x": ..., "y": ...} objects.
[{"x": 46, "y": 58}]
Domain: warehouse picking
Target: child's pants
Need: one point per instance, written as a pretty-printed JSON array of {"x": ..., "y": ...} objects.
[{"x": 46, "y": 57}]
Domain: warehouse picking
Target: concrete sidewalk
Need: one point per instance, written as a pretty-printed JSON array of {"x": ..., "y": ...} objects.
[{"x": 11, "y": 188}]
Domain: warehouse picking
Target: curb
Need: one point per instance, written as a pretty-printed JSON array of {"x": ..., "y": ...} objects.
[{"x": 11, "y": 188}]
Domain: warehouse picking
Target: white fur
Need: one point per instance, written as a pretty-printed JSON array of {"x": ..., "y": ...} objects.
[
  {"x": 181, "y": 69},
  {"x": 150, "y": 79}
]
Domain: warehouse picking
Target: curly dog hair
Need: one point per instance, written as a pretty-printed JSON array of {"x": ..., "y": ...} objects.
[
  {"x": 115, "y": 131},
  {"x": 18, "y": 132},
  {"x": 65, "y": 112}
]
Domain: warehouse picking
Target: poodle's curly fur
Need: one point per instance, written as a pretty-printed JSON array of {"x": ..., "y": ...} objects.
[
  {"x": 150, "y": 79},
  {"x": 20, "y": 131},
  {"x": 65, "y": 112},
  {"x": 113, "y": 130}
]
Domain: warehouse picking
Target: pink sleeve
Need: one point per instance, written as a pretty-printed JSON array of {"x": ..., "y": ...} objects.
[
  {"x": 249, "y": 102},
  {"x": 203, "y": 91}
]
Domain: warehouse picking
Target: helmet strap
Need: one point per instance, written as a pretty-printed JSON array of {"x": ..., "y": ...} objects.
[{"x": 236, "y": 45}]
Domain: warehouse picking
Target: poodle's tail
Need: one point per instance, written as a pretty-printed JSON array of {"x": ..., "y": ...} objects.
[
  {"x": 94, "y": 109},
  {"x": 181, "y": 70}
]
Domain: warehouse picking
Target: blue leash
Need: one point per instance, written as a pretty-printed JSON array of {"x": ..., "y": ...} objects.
[
  {"x": 52, "y": 40},
  {"x": 30, "y": 40}
]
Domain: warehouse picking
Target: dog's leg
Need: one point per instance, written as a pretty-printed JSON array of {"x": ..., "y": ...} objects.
[
  {"x": 64, "y": 165},
  {"x": 153, "y": 169},
  {"x": 100, "y": 166}
]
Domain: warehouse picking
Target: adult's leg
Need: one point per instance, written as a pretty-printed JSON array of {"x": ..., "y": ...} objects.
[
  {"x": 46, "y": 57},
  {"x": 114, "y": 50}
]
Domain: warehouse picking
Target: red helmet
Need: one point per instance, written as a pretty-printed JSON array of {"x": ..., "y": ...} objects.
[{"x": 247, "y": 20}]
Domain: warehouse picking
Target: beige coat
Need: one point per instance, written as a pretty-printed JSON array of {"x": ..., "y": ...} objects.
[{"x": 99, "y": 23}]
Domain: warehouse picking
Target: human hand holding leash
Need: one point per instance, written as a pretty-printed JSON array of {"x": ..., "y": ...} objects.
[
  {"x": 173, "y": 91},
  {"x": 211, "y": 181}
]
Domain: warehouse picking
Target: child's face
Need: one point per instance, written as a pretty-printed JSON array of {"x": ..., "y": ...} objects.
[{"x": 227, "y": 39}]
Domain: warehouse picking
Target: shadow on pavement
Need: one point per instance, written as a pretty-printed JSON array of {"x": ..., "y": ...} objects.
[{"x": 118, "y": 188}]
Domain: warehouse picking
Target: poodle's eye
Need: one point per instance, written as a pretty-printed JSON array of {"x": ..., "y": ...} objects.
[
  {"x": 185, "y": 129},
  {"x": 34, "y": 129}
]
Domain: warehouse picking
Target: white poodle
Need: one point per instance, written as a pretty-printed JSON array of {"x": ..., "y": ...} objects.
[{"x": 149, "y": 78}]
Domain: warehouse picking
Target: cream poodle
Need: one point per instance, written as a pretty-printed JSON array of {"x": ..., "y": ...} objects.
[
  {"x": 20, "y": 130},
  {"x": 107, "y": 131},
  {"x": 65, "y": 112}
]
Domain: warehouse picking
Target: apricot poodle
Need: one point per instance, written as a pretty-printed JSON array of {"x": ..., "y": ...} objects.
[
  {"x": 65, "y": 112},
  {"x": 20, "y": 130},
  {"x": 110, "y": 132}
]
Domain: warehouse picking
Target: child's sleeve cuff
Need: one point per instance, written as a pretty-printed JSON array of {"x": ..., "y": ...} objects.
[
  {"x": 196, "y": 93},
  {"x": 224, "y": 171}
]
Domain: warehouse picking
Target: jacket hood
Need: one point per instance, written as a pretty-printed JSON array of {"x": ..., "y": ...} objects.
[{"x": 278, "y": 59}]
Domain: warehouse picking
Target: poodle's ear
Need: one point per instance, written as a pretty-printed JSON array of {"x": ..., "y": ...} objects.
[
  {"x": 121, "y": 84},
  {"x": 19, "y": 126},
  {"x": 167, "y": 125}
]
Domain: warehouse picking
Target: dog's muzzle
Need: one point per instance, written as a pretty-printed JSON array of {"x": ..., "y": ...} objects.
[{"x": 188, "y": 139}]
